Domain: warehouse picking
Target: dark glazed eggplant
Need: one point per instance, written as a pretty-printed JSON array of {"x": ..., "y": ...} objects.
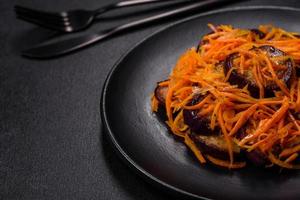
[
  {"x": 202, "y": 42},
  {"x": 297, "y": 67},
  {"x": 256, "y": 157},
  {"x": 160, "y": 93},
  {"x": 215, "y": 145},
  {"x": 242, "y": 80},
  {"x": 198, "y": 124},
  {"x": 259, "y": 33},
  {"x": 207, "y": 140}
]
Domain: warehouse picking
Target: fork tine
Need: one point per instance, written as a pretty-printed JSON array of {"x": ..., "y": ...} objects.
[
  {"x": 50, "y": 15},
  {"x": 57, "y": 22},
  {"x": 42, "y": 23}
]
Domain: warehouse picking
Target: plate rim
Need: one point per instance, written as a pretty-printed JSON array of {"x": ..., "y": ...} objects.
[{"x": 105, "y": 122}]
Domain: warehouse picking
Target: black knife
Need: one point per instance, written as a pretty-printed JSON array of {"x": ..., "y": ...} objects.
[{"x": 55, "y": 49}]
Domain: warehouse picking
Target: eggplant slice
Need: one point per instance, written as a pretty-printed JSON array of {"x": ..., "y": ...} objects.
[
  {"x": 297, "y": 70},
  {"x": 202, "y": 42},
  {"x": 160, "y": 93},
  {"x": 259, "y": 33},
  {"x": 242, "y": 80},
  {"x": 208, "y": 141},
  {"x": 215, "y": 145},
  {"x": 198, "y": 124},
  {"x": 256, "y": 157}
]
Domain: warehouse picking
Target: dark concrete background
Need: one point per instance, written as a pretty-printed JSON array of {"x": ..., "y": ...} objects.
[{"x": 52, "y": 145}]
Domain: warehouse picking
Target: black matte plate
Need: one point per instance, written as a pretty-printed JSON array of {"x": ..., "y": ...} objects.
[{"x": 144, "y": 141}]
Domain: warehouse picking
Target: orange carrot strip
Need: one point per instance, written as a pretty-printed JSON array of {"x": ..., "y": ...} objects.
[
  {"x": 212, "y": 27},
  {"x": 226, "y": 164},
  {"x": 199, "y": 105},
  {"x": 164, "y": 83},
  {"x": 214, "y": 115},
  {"x": 298, "y": 97},
  {"x": 280, "y": 163},
  {"x": 243, "y": 119},
  {"x": 275, "y": 118},
  {"x": 291, "y": 158},
  {"x": 236, "y": 97},
  {"x": 294, "y": 121},
  {"x": 277, "y": 81},
  {"x": 259, "y": 81},
  {"x": 207, "y": 110},
  {"x": 289, "y": 151},
  {"x": 228, "y": 74},
  {"x": 190, "y": 143},
  {"x": 225, "y": 133}
]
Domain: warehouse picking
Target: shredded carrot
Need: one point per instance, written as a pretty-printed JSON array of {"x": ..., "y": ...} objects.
[
  {"x": 294, "y": 121},
  {"x": 283, "y": 164},
  {"x": 265, "y": 121},
  {"x": 289, "y": 151},
  {"x": 243, "y": 119},
  {"x": 199, "y": 105},
  {"x": 214, "y": 116},
  {"x": 291, "y": 158},
  {"x": 274, "y": 119}
]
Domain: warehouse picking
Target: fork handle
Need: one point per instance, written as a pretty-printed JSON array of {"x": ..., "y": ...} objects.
[{"x": 130, "y": 3}]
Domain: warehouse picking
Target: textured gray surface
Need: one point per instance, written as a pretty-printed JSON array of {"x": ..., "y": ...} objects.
[{"x": 51, "y": 141}]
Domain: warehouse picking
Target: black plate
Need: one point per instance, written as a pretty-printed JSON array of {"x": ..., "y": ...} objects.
[{"x": 145, "y": 143}]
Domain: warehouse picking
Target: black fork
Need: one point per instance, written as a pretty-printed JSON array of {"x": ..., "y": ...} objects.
[{"x": 74, "y": 20}]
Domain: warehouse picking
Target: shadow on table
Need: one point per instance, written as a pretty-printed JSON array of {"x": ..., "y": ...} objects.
[{"x": 33, "y": 36}]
